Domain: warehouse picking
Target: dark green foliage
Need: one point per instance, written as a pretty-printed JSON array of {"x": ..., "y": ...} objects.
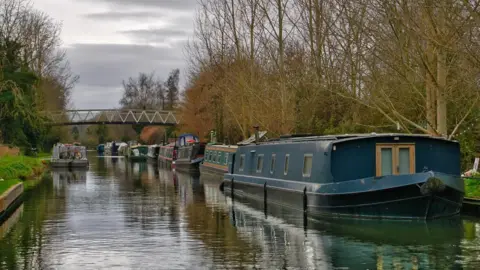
[
  {"x": 125, "y": 138},
  {"x": 138, "y": 129},
  {"x": 75, "y": 133},
  {"x": 468, "y": 149},
  {"x": 172, "y": 88},
  {"x": 21, "y": 123},
  {"x": 102, "y": 133}
]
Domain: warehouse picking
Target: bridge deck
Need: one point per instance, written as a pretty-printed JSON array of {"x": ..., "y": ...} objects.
[{"x": 111, "y": 117}]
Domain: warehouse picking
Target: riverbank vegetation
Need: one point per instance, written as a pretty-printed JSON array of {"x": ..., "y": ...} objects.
[
  {"x": 6, "y": 184},
  {"x": 472, "y": 186},
  {"x": 16, "y": 169},
  {"x": 335, "y": 66},
  {"x": 34, "y": 76}
]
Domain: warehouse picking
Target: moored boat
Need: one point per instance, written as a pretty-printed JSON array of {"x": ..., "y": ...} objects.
[
  {"x": 122, "y": 149},
  {"x": 100, "y": 149},
  {"x": 392, "y": 176},
  {"x": 153, "y": 151},
  {"x": 218, "y": 156},
  {"x": 138, "y": 153},
  {"x": 188, "y": 153},
  {"x": 216, "y": 159},
  {"x": 165, "y": 154},
  {"x": 69, "y": 156}
]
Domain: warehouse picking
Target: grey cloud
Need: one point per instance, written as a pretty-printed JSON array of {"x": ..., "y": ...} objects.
[
  {"x": 116, "y": 15},
  {"x": 96, "y": 97},
  {"x": 179, "y": 5},
  {"x": 102, "y": 67},
  {"x": 158, "y": 35},
  {"x": 107, "y": 65}
]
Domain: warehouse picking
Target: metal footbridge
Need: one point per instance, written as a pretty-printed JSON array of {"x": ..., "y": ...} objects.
[{"x": 111, "y": 117}]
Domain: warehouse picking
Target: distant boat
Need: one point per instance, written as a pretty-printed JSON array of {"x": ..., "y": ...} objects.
[
  {"x": 122, "y": 149},
  {"x": 69, "y": 156},
  {"x": 138, "y": 153},
  {"x": 101, "y": 149},
  {"x": 188, "y": 153},
  {"x": 391, "y": 176},
  {"x": 165, "y": 154},
  {"x": 153, "y": 151}
]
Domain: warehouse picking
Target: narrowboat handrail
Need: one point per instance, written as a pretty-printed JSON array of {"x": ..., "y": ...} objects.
[{"x": 345, "y": 137}]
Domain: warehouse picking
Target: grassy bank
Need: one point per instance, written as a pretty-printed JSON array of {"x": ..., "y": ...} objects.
[
  {"x": 472, "y": 187},
  {"x": 15, "y": 169},
  {"x": 6, "y": 184}
]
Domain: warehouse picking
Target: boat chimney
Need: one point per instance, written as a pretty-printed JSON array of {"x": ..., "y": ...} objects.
[
  {"x": 256, "y": 134},
  {"x": 213, "y": 136}
]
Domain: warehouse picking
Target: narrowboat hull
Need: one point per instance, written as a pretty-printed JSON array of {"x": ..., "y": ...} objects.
[
  {"x": 66, "y": 163},
  {"x": 164, "y": 160},
  {"x": 213, "y": 170},
  {"x": 137, "y": 158},
  {"x": 428, "y": 195},
  {"x": 188, "y": 166},
  {"x": 153, "y": 161}
]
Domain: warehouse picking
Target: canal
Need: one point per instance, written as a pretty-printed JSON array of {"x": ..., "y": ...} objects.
[{"x": 138, "y": 216}]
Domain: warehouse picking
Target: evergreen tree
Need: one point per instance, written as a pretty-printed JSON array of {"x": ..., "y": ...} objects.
[{"x": 172, "y": 88}]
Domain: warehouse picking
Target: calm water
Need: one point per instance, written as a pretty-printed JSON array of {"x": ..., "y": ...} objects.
[{"x": 123, "y": 216}]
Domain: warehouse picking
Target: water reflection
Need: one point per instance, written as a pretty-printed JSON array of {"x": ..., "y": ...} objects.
[
  {"x": 10, "y": 221},
  {"x": 137, "y": 215}
]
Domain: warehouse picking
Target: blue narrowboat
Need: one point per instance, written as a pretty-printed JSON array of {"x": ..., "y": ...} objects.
[{"x": 391, "y": 176}]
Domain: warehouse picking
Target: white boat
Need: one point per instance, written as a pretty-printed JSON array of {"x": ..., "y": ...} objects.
[{"x": 67, "y": 155}]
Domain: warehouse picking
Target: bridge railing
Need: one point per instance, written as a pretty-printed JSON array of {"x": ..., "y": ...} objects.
[{"x": 103, "y": 116}]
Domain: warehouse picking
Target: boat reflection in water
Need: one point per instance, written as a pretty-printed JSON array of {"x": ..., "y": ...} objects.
[
  {"x": 351, "y": 244},
  {"x": 63, "y": 177},
  {"x": 271, "y": 231}
]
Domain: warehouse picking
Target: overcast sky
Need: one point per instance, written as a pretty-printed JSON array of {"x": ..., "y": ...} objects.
[{"x": 110, "y": 40}]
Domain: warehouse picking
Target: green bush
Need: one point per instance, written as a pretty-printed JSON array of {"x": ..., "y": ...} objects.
[{"x": 19, "y": 167}]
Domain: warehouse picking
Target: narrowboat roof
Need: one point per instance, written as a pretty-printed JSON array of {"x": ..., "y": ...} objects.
[
  {"x": 139, "y": 146},
  {"x": 345, "y": 137},
  {"x": 222, "y": 145},
  {"x": 168, "y": 145}
]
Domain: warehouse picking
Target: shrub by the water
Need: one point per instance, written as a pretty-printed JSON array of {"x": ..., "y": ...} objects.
[
  {"x": 14, "y": 169},
  {"x": 472, "y": 186}
]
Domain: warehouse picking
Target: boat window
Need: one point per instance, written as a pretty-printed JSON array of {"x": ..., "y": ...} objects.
[
  {"x": 259, "y": 163},
  {"x": 214, "y": 156},
  {"x": 307, "y": 165},
  {"x": 242, "y": 162},
  {"x": 226, "y": 158},
  {"x": 285, "y": 165},
  {"x": 395, "y": 159},
  {"x": 272, "y": 163}
]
